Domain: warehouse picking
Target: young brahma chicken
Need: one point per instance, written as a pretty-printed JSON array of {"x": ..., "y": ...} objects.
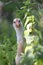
[{"x": 18, "y": 26}]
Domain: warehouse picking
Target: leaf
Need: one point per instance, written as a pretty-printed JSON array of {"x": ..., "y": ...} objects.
[
  {"x": 28, "y": 48},
  {"x": 29, "y": 27},
  {"x": 29, "y": 18},
  {"x": 32, "y": 17},
  {"x": 27, "y": 2},
  {"x": 26, "y": 33},
  {"x": 25, "y": 15},
  {"x": 39, "y": 33}
]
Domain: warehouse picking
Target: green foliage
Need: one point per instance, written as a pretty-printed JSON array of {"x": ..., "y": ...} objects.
[
  {"x": 7, "y": 44},
  {"x": 32, "y": 19},
  {"x": 33, "y": 54}
]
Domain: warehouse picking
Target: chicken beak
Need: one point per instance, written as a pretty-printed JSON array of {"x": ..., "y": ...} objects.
[{"x": 17, "y": 24}]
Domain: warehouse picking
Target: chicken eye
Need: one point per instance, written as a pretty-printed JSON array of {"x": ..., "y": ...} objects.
[
  {"x": 19, "y": 20},
  {"x": 14, "y": 22}
]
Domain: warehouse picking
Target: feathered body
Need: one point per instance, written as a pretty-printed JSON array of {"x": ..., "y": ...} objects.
[{"x": 18, "y": 26}]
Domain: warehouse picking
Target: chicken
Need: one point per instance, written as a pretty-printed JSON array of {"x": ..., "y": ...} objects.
[{"x": 18, "y": 26}]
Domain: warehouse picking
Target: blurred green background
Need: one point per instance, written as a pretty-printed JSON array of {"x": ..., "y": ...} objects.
[{"x": 30, "y": 12}]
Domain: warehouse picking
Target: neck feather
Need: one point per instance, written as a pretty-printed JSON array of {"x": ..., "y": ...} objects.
[{"x": 19, "y": 34}]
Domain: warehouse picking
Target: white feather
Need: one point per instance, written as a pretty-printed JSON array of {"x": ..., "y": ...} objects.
[{"x": 19, "y": 32}]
